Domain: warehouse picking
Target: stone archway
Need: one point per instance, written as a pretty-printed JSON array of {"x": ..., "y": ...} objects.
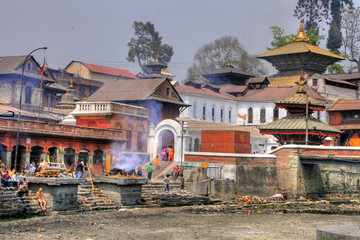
[{"x": 167, "y": 131}]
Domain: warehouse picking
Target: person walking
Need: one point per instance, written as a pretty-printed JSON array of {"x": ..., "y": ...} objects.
[
  {"x": 80, "y": 169},
  {"x": 157, "y": 163},
  {"x": 171, "y": 154},
  {"x": 182, "y": 184},
  {"x": 167, "y": 183},
  {"x": 176, "y": 173},
  {"x": 163, "y": 154},
  {"x": 149, "y": 170}
]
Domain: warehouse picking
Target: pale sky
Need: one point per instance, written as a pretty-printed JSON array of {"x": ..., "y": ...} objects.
[{"x": 97, "y": 31}]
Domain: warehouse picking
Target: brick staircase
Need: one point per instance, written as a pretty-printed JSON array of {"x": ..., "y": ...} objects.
[
  {"x": 13, "y": 206},
  {"x": 91, "y": 198}
]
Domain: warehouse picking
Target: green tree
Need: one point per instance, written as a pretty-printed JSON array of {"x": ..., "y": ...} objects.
[
  {"x": 334, "y": 40},
  {"x": 281, "y": 40},
  {"x": 313, "y": 12},
  {"x": 218, "y": 53},
  {"x": 147, "y": 46}
]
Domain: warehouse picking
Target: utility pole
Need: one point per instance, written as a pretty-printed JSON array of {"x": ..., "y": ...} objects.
[{"x": 306, "y": 113}]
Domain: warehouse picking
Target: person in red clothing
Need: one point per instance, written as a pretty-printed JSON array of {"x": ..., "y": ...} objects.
[
  {"x": 176, "y": 173},
  {"x": 171, "y": 153}
]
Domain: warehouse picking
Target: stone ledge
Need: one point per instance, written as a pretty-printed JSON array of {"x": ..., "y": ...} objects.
[
  {"x": 121, "y": 181},
  {"x": 56, "y": 181},
  {"x": 333, "y": 232}
]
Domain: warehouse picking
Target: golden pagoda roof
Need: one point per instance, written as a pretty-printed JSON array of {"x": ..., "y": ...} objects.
[
  {"x": 300, "y": 44},
  {"x": 286, "y": 81}
]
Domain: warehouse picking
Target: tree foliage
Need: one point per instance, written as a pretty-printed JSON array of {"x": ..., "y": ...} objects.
[
  {"x": 281, "y": 40},
  {"x": 334, "y": 41},
  {"x": 313, "y": 12},
  {"x": 351, "y": 40},
  {"x": 217, "y": 54},
  {"x": 147, "y": 46}
]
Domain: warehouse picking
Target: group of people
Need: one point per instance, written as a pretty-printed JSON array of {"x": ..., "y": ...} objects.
[
  {"x": 167, "y": 153},
  {"x": 38, "y": 166}
]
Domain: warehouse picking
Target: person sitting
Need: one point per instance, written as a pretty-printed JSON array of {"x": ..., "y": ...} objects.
[
  {"x": 6, "y": 179},
  {"x": 23, "y": 191},
  {"x": 43, "y": 165},
  {"x": 32, "y": 167},
  {"x": 15, "y": 179},
  {"x": 37, "y": 167},
  {"x": 22, "y": 178},
  {"x": 40, "y": 198}
]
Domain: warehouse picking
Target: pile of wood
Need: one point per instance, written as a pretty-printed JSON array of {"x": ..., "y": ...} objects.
[{"x": 48, "y": 173}]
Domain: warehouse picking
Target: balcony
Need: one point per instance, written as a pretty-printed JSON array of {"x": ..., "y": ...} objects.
[{"x": 108, "y": 108}]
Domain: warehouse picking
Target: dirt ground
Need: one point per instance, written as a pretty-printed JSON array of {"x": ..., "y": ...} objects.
[{"x": 170, "y": 223}]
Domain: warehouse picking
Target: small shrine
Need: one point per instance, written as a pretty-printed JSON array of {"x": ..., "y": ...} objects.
[{"x": 292, "y": 128}]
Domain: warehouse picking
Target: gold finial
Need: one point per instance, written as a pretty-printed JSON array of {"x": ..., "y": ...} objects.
[
  {"x": 229, "y": 63},
  {"x": 71, "y": 84},
  {"x": 301, "y": 35},
  {"x": 156, "y": 60},
  {"x": 302, "y": 84},
  {"x": 84, "y": 99}
]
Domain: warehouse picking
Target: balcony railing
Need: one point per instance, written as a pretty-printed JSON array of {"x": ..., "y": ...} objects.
[{"x": 88, "y": 108}]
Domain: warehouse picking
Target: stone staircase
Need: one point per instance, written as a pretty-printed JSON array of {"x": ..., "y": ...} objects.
[
  {"x": 91, "y": 198},
  {"x": 165, "y": 168},
  {"x": 13, "y": 206}
]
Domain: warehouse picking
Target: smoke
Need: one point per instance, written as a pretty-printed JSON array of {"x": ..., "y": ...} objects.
[
  {"x": 156, "y": 111},
  {"x": 125, "y": 161}
]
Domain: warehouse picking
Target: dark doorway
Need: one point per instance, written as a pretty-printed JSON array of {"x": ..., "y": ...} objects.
[
  {"x": 69, "y": 156},
  {"x": 35, "y": 154},
  {"x": 84, "y": 155},
  {"x": 53, "y": 154},
  {"x": 98, "y": 157},
  {"x": 18, "y": 163}
]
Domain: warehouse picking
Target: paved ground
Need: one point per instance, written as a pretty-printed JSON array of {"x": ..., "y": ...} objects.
[{"x": 171, "y": 223}]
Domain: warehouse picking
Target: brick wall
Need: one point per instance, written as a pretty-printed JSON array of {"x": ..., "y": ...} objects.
[{"x": 225, "y": 141}]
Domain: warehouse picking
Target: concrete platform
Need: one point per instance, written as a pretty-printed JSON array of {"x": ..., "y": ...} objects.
[
  {"x": 60, "y": 193},
  {"x": 343, "y": 232},
  {"x": 124, "y": 191}
]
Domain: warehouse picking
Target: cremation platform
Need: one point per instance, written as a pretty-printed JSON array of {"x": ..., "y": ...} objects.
[
  {"x": 60, "y": 193},
  {"x": 124, "y": 191}
]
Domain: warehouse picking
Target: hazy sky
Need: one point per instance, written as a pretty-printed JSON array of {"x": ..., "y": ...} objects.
[{"x": 97, "y": 31}]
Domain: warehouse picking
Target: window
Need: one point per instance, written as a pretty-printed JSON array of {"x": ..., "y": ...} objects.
[
  {"x": 230, "y": 115},
  {"x": 81, "y": 89},
  {"x": 194, "y": 110},
  {"x": 263, "y": 115},
  {"x": 350, "y": 117},
  {"x": 318, "y": 115},
  {"x": 314, "y": 82},
  {"x": 222, "y": 114},
  {"x": 276, "y": 114},
  {"x": 28, "y": 94},
  {"x": 28, "y": 67},
  {"x": 213, "y": 113},
  {"x": 128, "y": 137},
  {"x": 139, "y": 141},
  {"x": 250, "y": 115},
  {"x": 69, "y": 156},
  {"x": 168, "y": 92},
  {"x": 204, "y": 113},
  {"x": 98, "y": 157}
]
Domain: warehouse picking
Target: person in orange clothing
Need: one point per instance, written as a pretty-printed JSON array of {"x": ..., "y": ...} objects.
[
  {"x": 157, "y": 162},
  {"x": 171, "y": 154}
]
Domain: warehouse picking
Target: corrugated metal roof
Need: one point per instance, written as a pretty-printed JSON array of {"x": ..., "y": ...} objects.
[
  {"x": 268, "y": 94},
  {"x": 127, "y": 90},
  {"x": 228, "y": 70},
  {"x": 292, "y": 123},
  {"x": 109, "y": 70},
  {"x": 203, "y": 125},
  {"x": 257, "y": 80},
  {"x": 184, "y": 89},
  {"x": 284, "y": 81},
  {"x": 300, "y": 99},
  {"x": 344, "y": 76},
  {"x": 341, "y": 104},
  {"x": 348, "y": 126},
  {"x": 298, "y": 47},
  {"x": 340, "y": 81}
]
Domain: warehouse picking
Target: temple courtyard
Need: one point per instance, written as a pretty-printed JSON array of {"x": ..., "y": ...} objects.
[{"x": 172, "y": 223}]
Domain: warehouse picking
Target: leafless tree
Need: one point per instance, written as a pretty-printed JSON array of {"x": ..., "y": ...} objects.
[{"x": 351, "y": 40}]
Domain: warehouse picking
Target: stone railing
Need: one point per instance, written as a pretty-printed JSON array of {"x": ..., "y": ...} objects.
[
  {"x": 86, "y": 108},
  {"x": 33, "y": 127}
]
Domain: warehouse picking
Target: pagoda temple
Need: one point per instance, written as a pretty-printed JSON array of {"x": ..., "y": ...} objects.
[
  {"x": 293, "y": 128},
  {"x": 292, "y": 59}
]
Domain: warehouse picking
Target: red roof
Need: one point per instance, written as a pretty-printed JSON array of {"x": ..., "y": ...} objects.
[
  {"x": 340, "y": 81},
  {"x": 109, "y": 70},
  {"x": 201, "y": 91},
  {"x": 341, "y": 104}
]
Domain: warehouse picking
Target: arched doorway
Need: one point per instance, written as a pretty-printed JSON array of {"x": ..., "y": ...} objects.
[
  {"x": 3, "y": 151},
  {"x": 53, "y": 154},
  {"x": 35, "y": 154},
  {"x": 167, "y": 132},
  {"x": 84, "y": 155},
  {"x": 197, "y": 145},
  {"x": 19, "y": 162},
  {"x": 69, "y": 156}
]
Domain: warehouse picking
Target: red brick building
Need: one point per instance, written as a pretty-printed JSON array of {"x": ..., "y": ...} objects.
[{"x": 344, "y": 115}]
